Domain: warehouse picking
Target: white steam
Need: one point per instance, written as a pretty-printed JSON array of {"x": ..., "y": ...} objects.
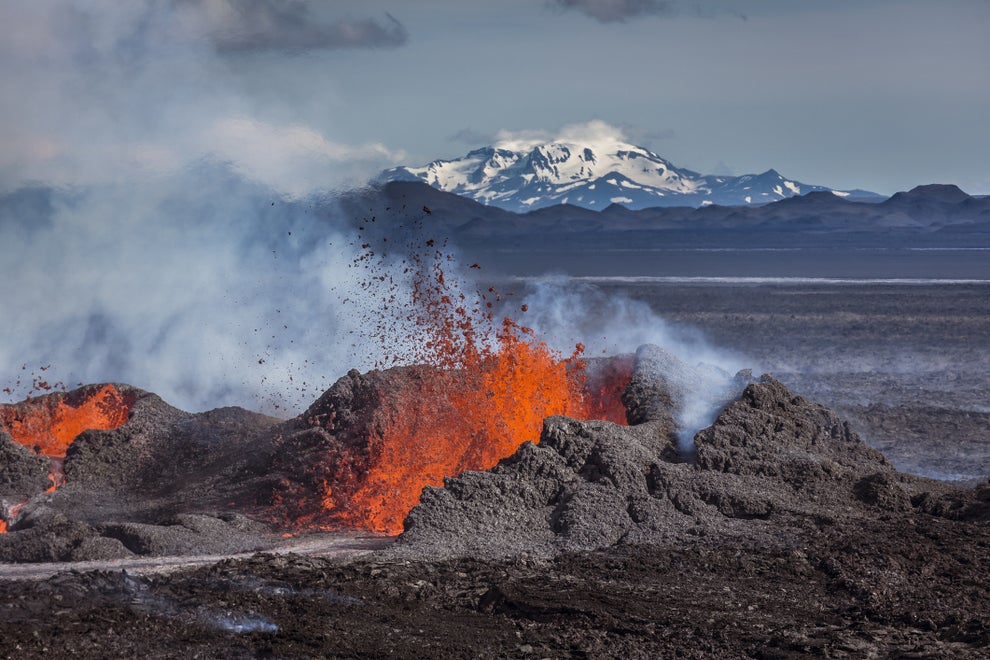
[
  {"x": 160, "y": 218},
  {"x": 200, "y": 287},
  {"x": 564, "y": 312}
]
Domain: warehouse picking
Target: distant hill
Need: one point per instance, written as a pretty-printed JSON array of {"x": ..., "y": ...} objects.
[{"x": 924, "y": 217}]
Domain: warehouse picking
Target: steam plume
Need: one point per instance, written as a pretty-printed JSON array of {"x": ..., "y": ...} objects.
[
  {"x": 202, "y": 287},
  {"x": 565, "y": 312}
]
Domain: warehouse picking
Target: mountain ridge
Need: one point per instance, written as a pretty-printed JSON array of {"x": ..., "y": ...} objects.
[
  {"x": 595, "y": 174},
  {"x": 924, "y": 217}
]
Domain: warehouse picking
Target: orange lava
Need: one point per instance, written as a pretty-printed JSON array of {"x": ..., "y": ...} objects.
[
  {"x": 457, "y": 420},
  {"x": 489, "y": 388},
  {"x": 50, "y": 423}
]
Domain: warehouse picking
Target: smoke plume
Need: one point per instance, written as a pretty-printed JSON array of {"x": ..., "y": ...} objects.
[
  {"x": 165, "y": 221},
  {"x": 565, "y": 312},
  {"x": 202, "y": 287}
]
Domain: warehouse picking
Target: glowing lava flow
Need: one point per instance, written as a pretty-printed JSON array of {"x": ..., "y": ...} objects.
[
  {"x": 486, "y": 388},
  {"x": 49, "y": 424},
  {"x": 457, "y": 420}
]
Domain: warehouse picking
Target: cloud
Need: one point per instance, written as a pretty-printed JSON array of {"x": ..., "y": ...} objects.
[
  {"x": 594, "y": 130},
  {"x": 104, "y": 91},
  {"x": 521, "y": 140},
  {"x": 237, "y": 26},
  {"x": 618, "y": 11},
  {"x": 612, "y": 11},
  {"x": 293, "y": 159}
]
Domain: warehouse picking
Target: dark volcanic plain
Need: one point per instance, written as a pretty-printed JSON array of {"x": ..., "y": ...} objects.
[{"x": 786, "y": 535}]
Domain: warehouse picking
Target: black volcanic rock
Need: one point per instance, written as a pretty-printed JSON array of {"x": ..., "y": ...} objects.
[
  {"x": 650, "y": 395},
  {"x": 770, "y": 432},
  {"x": 189, "y": 534},
  {"x": 22, "y": 472},
  {"x": 112, "y": 460}
]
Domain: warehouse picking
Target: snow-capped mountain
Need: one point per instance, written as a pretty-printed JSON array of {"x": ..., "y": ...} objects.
[{"x": 595, "y": 175}]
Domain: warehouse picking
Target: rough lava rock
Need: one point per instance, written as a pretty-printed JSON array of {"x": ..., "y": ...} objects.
[
  {"x": 164, "y": 482},
  {"x": 23, "y": 473},
  {"x": 168, "y": 481},
  {"x": 772, "y": 461}
]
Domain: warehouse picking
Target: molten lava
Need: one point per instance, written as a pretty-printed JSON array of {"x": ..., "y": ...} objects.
[
  {"x": 50, "y": 423},
  {"x": 457, "y": 420},
  {"x": 486, "y": 388}
]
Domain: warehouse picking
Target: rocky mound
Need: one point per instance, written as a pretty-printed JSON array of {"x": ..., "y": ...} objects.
[
  {"x": 772, "y": 461},
  {"x": 359, "y": 456},
  {"x": 164, "y": 482},
  {"x": 23, "y": 474}
]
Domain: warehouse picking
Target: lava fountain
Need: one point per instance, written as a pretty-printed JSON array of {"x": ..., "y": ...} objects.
[{"x": 480, "y": 388}]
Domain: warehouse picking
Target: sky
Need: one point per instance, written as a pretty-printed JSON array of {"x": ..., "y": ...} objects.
[
  {"x": 169, "y": 168},
  {"x": 303, "y": 95}
]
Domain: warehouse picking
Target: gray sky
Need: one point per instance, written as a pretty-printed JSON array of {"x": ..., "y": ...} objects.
[{"x": 303, "y": 95}]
